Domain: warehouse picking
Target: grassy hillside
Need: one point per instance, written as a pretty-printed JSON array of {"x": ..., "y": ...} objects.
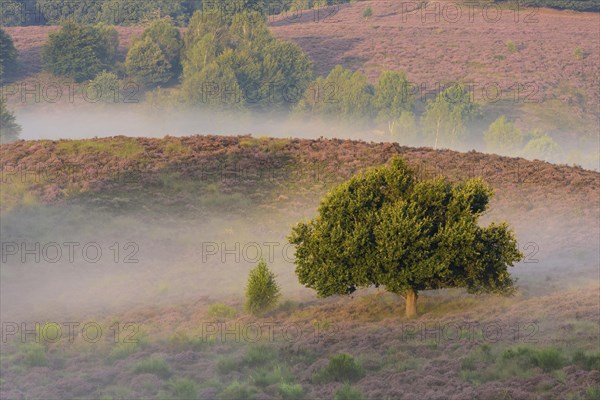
[{"x": 169, "y": 196}]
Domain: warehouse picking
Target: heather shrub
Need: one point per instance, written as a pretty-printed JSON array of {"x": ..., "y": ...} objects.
[
  {"x": 341, "y": 368},
  {"x": 153, "y": 365},
  {"x": 262, "y": 291}
]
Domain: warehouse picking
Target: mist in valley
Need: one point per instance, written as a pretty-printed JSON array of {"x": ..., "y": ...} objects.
[{"x": 152, "y": 257}]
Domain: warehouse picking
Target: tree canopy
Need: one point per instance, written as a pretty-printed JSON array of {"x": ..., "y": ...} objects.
[
  {"x": 81, "y": 51},
  {"x": 445, "y": 120},
  {"x": 155, "y": 57},
  {"x": 8, "y": 53},
  {"x": 387, "y": 227},
  {"x": 237, "y": 64},
  {"x": 9, "y": 129}
]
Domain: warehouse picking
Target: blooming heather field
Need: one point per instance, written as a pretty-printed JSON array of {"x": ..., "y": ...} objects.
[{"x": 432, "y": 48}]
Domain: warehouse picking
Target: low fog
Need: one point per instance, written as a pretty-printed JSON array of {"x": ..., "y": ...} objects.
[{"x": 154, "y": 258}]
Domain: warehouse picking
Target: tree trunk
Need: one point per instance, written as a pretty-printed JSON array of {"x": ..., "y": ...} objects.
[{"x": 411, "y": 303}]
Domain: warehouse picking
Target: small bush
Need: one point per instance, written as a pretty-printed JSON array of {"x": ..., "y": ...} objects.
[
  {"x": 368, "y": 12},
  {"x": 35, "y": 355},
  {"x": 237, "y": 391},
  {"x": 592, "y": 393},
  {"x": 587, "y": 362},
  {"x": 180, "y": 341},
  {"x": 264, "y": 377},
  {"x": 121, "y": 351},
  {"x": 228, "y": 364},
  {"x": 346, "y": 392},
  {"x": 511, "y": 46},
  {"x": 291, "y": 391},
  {"x": 221, "y": 311},
  {"x": 549, "y": 359},
  {"x": 579, "y": 53},
  {"x": 262, "y": 291},
  {"x": 183, "y": 389},
  {"x": 259, "y": 355},
  {"x": 341, "y": 368},
  {"x": 153, "y": 365}
]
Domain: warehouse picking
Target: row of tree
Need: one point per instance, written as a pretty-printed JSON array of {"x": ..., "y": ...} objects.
[
  {"x": 132, "y": 12},
  {"x": 236, "y": 64}
]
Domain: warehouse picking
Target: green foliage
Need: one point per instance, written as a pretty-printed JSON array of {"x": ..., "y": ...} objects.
[
  {"x": 542, "y": 147},
  {"x": 168, "y": 38},
  {"x": 291, "y": 391},
  {"x": 346, "y": 392},
  {"x": 121, "y": 351},
  {"x": 548, "y": 359},
  {"x": 83, "y": 12},
  {"x": 264, "y": 377},
  {"x": 262, "y": 291},
  {"x": 34, "y": 355},
  {"x": 368, "y": 12},
  {"x": 592, "y": 393},
  {"x": 131, "y": 12},
  {"x": 343, "y": 95},
  {"x": 108, "y": 87},
  {"x": 393, "y": 95},
  {"x": 153, "y": 365},
  {"x": 9, "y": 129},
  {"x": 237, "y": 391},
  {"x": 221, "y": 311},
  {"x": 80, "y": 51},
  {"x": 259, "y": 355},
  {"x": 147, "y": 64},
  {"x": 577, "y": 5},
  {"x": 386, "y": 227},
  {"x": 236, "y": 64},
  {"x": 182, "y": 389},
  {"x": 503, "y": 137},
  {"x": 404, "y": 129},
  {"x": 579, "y": 53},
  {"x": 8, "y": 54},
  {"x": 587, "y": 361},
  {"x": 341, "y": 368},
  {"x": 511, "y": 46},
  {"x": 446, "y": 118}
]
